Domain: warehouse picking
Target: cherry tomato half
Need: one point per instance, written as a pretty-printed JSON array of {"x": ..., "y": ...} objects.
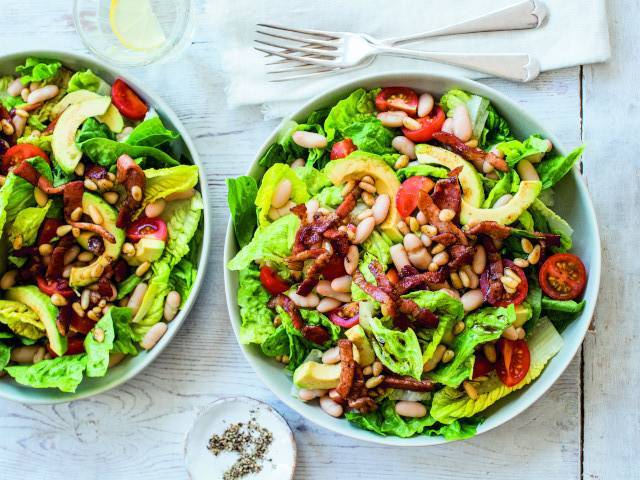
[
  {"x": 342, "y": 149},
  {"x": 19, "y": 153},
  {"x": 272, "y": 282},
  {"x": 430, "y": 125},
  {"x": 127, "y": 101},
  {"x": 397, "y": 98},
  {"x": 516, "y": 298},
  {"x": 513, "y": 361},
  {"x": 147, "y": 227},
  {"x": 481, "y": 366},
  {"x": 60, "y": 286},
  {"x": 48, "y": 230},
  {"x": 563, "y": 276},
  {"x": 334, "y": 269},
  {"x": 407, "y": 196}
]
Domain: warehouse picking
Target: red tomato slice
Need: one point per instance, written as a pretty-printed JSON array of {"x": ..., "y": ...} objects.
[
  {"x": 334, "y": 269},
  {"x": 513, "y": 361},
  {"x": 19, "y": 153},
  {"x": 127, "y": 101},
  {"x": 397, "y": 98},
  {"x": 407, "y": 196},
  {"x": 60, "y": 286},
  {"x": 563, "y": 276},
  {"x": 147, "y": 227},
  {"x": 430, "y": 125},
  {"x": 272, "y": 282},
  {"x": 342, "y": 149},
  {"x": 516, "y": 298},
  {"x": 48, "y": 230},
  {"x": 481, "y": 366},
  {"x": 75, "y": 345}
]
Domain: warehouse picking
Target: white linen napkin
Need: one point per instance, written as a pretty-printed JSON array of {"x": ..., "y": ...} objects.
[{"x": 574, "y": 33}]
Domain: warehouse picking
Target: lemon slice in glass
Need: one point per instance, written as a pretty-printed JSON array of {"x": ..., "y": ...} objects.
[{"x": 135, "y": 25}]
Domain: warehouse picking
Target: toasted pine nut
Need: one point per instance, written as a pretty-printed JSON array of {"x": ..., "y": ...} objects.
[
  {"x": 399, "y": 256},
  {"x": 112, "y": 198},
  {"x": 455, "y": 280},
  {"x": 309, "y": 139},
  {"x": 364, "y": 229},
  {"x": 282, "y": 193},
  {"x": 309, "y": 301},
  {"x": 521, "y": 262},
  {"x": 143, "y": 268},
  {"x": 7, "y": 127},
  {"x": 426, "y": 240},
  {"x": 489, "y": 351},
  {"x": 136, "y": 193},
  {"x": 425, "y": 104},
  {"x": 154, "y": 334},
  {"x": 330, "y": 407},
  {"x": 472, "y": 300},
  {"x": 373, "y": 382},
  {"x": 448, "y": 356},
  {"x": 392, "y": 119},
  {"x": 24, "y": 93},
  {"x": 403, "y": 227},
  {"x": 348, "y": 187},
  {"x": 405, "y": 146},
  {"x": 433, "y": 362},
  {"x": 470, "y": 389},
  {"x": 128, "y": 249},
  {"x": 307, "y": 395},
  {"x": 367, "y": 187},
  {"x": 401, "y": 162},
  {"x": 41, "y": 197},
  {"x": 409, "y": 409},
  {"x": 45, "y": 249},
  {"x": 368, "y": 199},
  {"x": 458, "y": 327},
  {"x": 464, "y": 279},
  {"x": 473, "y": 143},
  {"x": 351, "y": 260},
  {"x": 79, "y": 170},
  {"x": 441, "y": 258},
  {"x": 380, "y": 208},
  {"x": 527, "y": 171},
  {"x": 85, "y": 257},
  {"x": 76, "y": 215},
  {"x": 474, "y": 280},
  {"x": 429, "y": 230},
  {"x": 155, "y": 209},
  {"x": 509, "y": 282},
  {"x": 331, "y": 356},
  {"x": 71, "y": 254},
  {"x": 439, "y": 247},
  {"x": 510, "y": 273},
  {"x": 85, "y": 298},
  {"x": 95, "y": 215},
  {"x": 433, "y": 267},
  {"x": 90, "y": 185},
  {"x": 446, "y": 215},
  {"x": 510, "y": 333},
  {"x": 376, "y": 368},
  {"x": 8, "y": 280},
  {"x": 462, "y": 127},
  {"x": 487, "y": 167},
  {"x": 135, "y": 300},
  {"x": 58, "y": 300},
  {"x": 527, "y": 246},
  {"x": 414, "y": 226},
  {"x": 17, "y": 242},
  {"x": 534, "y": 256}
]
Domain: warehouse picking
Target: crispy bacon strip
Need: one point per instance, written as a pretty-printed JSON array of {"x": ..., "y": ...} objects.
[
  {"x": 432, "y": 212},
  {"x": 313, "y": 274},
  {"x": 288, "y": 306},
  {"x": 92, "y": 227},
  {"x": 56, "y": 262},
  {"x": 422, "y": 316},
  {"x": 315, "y": 333},
  {"x": 46, "y": 186},
  {"x": 306, "y": 255},
  {"x": 349, "y": 203},
  {"x": 63, "y": 320},
  {"x": 381, "y": 279},
  {"x": 348, "y": 365},
  {"x": 446, "y": 238},
  {"x": 313, "y": 233},
  {"x": 407, "y": 383},
  {"x": 419, "y": 280},
  {"x": 358, "y": 397},
  {"x": 72, "y": 197},
  {"x": 27, "y": 172},
  {"x": 474, "y": 154},
  {"x": 460, "y": 255},
  {"x": 493, "y": 229},
  {"x": 339, "y": 240},
  {"x": 495, "y": 270},
  {"x": 130, "y": 175},
  {"x": 447, "y": 192}
]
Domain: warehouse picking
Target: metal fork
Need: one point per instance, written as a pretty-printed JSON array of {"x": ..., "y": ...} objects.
[{"x": 306, "y": 52}]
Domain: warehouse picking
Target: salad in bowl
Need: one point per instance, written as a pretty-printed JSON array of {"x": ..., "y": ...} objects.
[
  {"x": 100, "y": 224},
  {"x": 399, "y": 255}
]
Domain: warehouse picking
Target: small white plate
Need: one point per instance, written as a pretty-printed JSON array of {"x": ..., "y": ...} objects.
[{"x": 216, "y": 418}]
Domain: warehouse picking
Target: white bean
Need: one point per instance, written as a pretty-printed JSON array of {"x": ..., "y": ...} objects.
[
  {"x": 411, "y": 409},
  {"x": 18, "y": 124},
  {"x": 364, "y": 229},
  {"x": 405, "y": 146},
  {"x": 273, "y": 214},
  {"x": 351, "y": 260},
  {"x": 154, "y": 334},
  {"x": 39, "y": 355},
  {"x": 399, "y": 256},
  {"x": 425, "y": 104},
  {"x": 447, "y": 126},
  {"x": 24, "y": 354},
  {"x": 324, "y": 289},
  {"x": 309, "y": 301},
  {"x": 441, "y": 258},
  {"x": 15, "y": 88},
  {"x": 307, "y": 395},
  {"x": 462, "y": 123},
  {"x": 380, "y": 208},
  {"x": 527, "y": 171},
  {"x": 43, "y": 94},
  {"x": 298, "y": 162},
  {"x": 392, "y": 119},
  {"x": 282, "y": 193},
  {"x": 421, "y": 218},
  {"x": 472, "y": 299},
  {"x": 171, "y": 305},
  {"x": 412, "y": 242},
  {"x": 479, "y": 261},
  {"x": 341, "y": 284},
  {"x": 503, "y": 200},
  {"x": 286, "y": 209},
  {"x": 135, "y": 300},
  {"x": 312, "y": 207},
  {"x": 420, "y": 258},
  {"x": 327, "y": 304},
  {"x": 330, "y": 407},
  {"x": 331, "y": 356},
  {"x": 452, "y": 293},
  {"x": 155, "y": 209},
  {"x": 309, "y": 139}
]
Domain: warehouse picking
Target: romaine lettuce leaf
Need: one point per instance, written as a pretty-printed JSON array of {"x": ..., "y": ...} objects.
[
  {"x": 546, "y": 220},
  {"x": 358, "y": 106},
  {"x": 422, "y": 171},
  {"x": 241, "y": 197},
  {"x": 378, "y": 245},
  {"x": 552, "y": 170},
  {"x": 182, "y": 278},
  {"x": 98, "y": 351},
  {"x": 105, "y": 152},
  {"x": 507, "y": 184},
  {"x": 270, "y": 181},
  {"x": 534, "y": 300},
  {"x": 567, "y": 306},
  {"x": 6, "y": 100},
  {"x": 314, "y": 179},
  {"x": 87, "y": 80},
  {"x": 63, "y": 373},
  {"x": 37, "y": 69},
  {"x": 41, "y": 141},
  {"x": 162, "y": 182},
  {"x": 5, "y": 355},
  {"x": 21, "y": 319},
  {"x": 257, "y": 318},
  {"x": 369, "y": 135},
  {"x": 128, "y": 285},
  {"x": 533, "y": 149},
  {"x": 495, "y": 130},
  {"x": 151, "y": 133},
  {"x": 27, "y": 223},
  {"x": 15, "y": 195},
  {"x": 91, "y": 128},
  {"x": 124, "y": 337},
  {"x": 329, "y": 197},
  {"x": 476, "y": 106}
]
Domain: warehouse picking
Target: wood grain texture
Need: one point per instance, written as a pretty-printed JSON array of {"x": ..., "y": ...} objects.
[{"x": 137, "y": 430}]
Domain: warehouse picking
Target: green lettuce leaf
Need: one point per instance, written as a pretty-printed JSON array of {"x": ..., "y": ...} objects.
[
  {"x": 357, "y": 107},
  {"x": 270, "y": 181},
  {"x": 532, "y": 149},
  {"x": 507, "y": 184},
  {"x": 162, "y": 182},
  {"x": 450, "y": 404},
  {"x": 330, "y": 197},
  {"x": 151, "y": 133},
  {"x": 477, "y": 107},
  {"x": 37, "y": 69},
  {"x": 526, "y": 221},
  {"x": 546, "y": 220},
  {"x": 421, "y": 171},
  {"x": 182, "y": 278},
  {"x": 568, "y": 306},
  {"x": 257, "y": 318},
  {"x": 15, "y": 195},
  {"x": 98, "y": 352},
  {"x": 534, "y": 300},
  {"x": 7, "y": 100},
  {"x": 552, "y": 170},
  {"x": 63, "y": 373},
  {"x": 87, "y": 80},
  {"x": 270, "y": 244},
  {"x": 241, "y": 197},
  {"x": 314, "y": 179},
  {"x": 496, "y": 130},
  {"x": 91, "y": 128},
  {"x": 378, "y": 245},
  {"x": 124, "y": 341},
  {"x": 41, "y": 141},
  {"x": 21, "y": 319},
  {"x": 274, "y": 154},
  {"x": 27, "y": 223},
  {"x": 5, "y": 355},
  {"x": 105, "y": 152},
  {"x": 369, "y": 135}
]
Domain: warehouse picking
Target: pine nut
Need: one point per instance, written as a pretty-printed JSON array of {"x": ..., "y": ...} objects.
[
  {"x": 472, "y": 300},
  {"x": 425, "y": 104},
  {"x": 330, "y": 407},
  {"x": 534, "y": 256},
  {"x": 411, "y": 409},
  {"x": 310, "y": 301},
  {"x": 401, "y": 162},
  {"x": 414, "y": 226},
  {"x": 93, "y": 316},
  {"x": 8, "y": 280},
  {"x": 85, "y": 257},
  {"x": 510, "y": 333},
  {"x": 307, "y": 395},
  {"x": 470, "y": 389},
  {"x": 462, "y": 127},
  {"x": 527, "y": 171},
  {"x": 439, "y": 247},
  {"x": 473, "y": 143},
  {"x": 441, "y": 258},
  {"x": 433, "y": 362},
  {"x": 474, "y": 280},
  {"x": 510, "y": 273},
  {"x": 368, "y": 199},
  {"x": 367, "y": 371},
  {"x": 341, "y": 284},
  {"x": 455, "y": 280},
  {"x": 309, "y": 139},
  {"x": 17, "y": 242},
  {"x": 509, "y": 282},
  {"x": 404, "y": 146},
  {"x": 327, "y": 304},
  {"x": 521, "y": 262},
  {"x": 98, "y": 334},
  {"x": 85, "y": 298},
  {"x": 79, "y": 170},
  {"x": 403, "y": 227},
  {"x": 521, "y": 333},
  {"x": 429, "y": 230},
  {"x": 71, "y": 254},
  {"x": 58, "y": 300},
  {"x": 135, "y": 300},
  {"x": 7, "y": 127},
  {"x": 282, "y": 193},
  {"x": 45, "y": 249},
  {"x": 143, "y": 268},
  {"x": 76, "y": 215},
  {"x": 446, "y": 215},
  {"x": 399, "y": 256},
  {"x": 426, "y": 240},
  {"x": 97, "y": 270},
  {"x": 75, "y": 231},
  {"x": 448, "y": 356},
  {"x": 95, "y": 215},
  {"x": 41, "y": 197},
  {"x": 464, "y": 279},
  {"x": 43, "y": 94},
  {"x": 154, "y": 334},
  {"x": 351, "y": 260},
  {"x": 411, "y": 123},
  {"x": 376, "y": 368},
  {"x": 433, "y": 267},
  {"x": 136, "y": 193},
  {"x": 393, "y": 119},
  {"x": 526, "y": 244},
  {"x": 458, "y": 328},
  {"x": 489, "y": 351},
  {"x": 90, "y": 185},
  {"x": 380, "y": 208},
  {"x": 373, "y": 382},
  {"x": 348, "y": 187},
  {"x": 364, "y": 229},
  {"x": 128, "y": 249},
  {"x": 367, "y": 187}
]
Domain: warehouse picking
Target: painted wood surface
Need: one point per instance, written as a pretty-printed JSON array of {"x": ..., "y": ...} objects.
[{"x": 137, "y": 430}]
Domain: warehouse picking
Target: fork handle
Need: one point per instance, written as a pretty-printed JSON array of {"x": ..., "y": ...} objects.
[
  {"x": 519, "y": 67},
  {"x": 520, "y": 16}
]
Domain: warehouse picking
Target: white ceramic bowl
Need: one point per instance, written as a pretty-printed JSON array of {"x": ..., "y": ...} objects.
[
  {"x": 131, "y": 366},
  {"x": 572, "y": 203}
]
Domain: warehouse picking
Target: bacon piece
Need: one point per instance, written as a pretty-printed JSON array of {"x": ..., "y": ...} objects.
[
  {"x": 313, "y": 233},
  {"x": 408, "y": 271},
  {"x": 420, "y": 280},
  {"x": 56, "y": 262},
  {"x": 349, "y": 203},
  {"x": 27, "y": 172},
  {"x": 447, "y": 192},
  {"x": 47, "y": 187},
  {"x": 375, "y": 292},
  {"x": 25, "y": 252},
  {"x": 92, "y": 227},
  {"x": 290, "y": 308},
  {"x": 364, "y": 404},
  {"x": 446, "y": 238},
  {"x": 315, "y": 333},
  {"x": 300, "y": 211},
  {"x": 63, "y": 320},
  {"x": 422, "y": 316},
  {"x": 381, "y": 279},
  {"x": 493, "y": 229},
  {"x": 130, "y": 175},
  {"x": 432, "y": 212},
  {"x": 474, "y": 154},
  {"x": 313, "y": 274},
  {"x": 407, "y": 383},
  {"x": 306, "y": 255},
  {"x": 358, "y": 397},
  {"x": 104, "y": 285},
  {"x": 339, "y": 240},
  {"x": 347, "y": 364},
  {"x": 72, "y": 197},
  {"x": 460, "y": 255},
  {"x": 496, "y": 290}
]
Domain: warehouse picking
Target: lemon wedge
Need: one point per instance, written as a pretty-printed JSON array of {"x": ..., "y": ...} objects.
[{"x": 135, "y": 25}]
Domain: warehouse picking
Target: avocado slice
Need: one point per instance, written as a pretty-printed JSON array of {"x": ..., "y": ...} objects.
[
  {"x": 523, "y": 313},
  {"x": 314, "y": 375},
  {"x": 82, "y": 276},
  {"x": 506, "y": 214},
  {"x": 359, "y": 164},
  {"x": 111, "y": 118},
  {"x": 40, "y": 303},
  {"x": 470, "y": 180},
  {"x": 147, "y": 250},
  {"x": 361, "y": 342},
  {"x": 63, "y": 143}
]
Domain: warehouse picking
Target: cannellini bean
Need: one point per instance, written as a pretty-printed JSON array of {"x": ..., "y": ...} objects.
[
  {"x": 405, "y": 146},
  {"x": 503, "y": 200},
  {"x": 298, "y": 162},
  {"x": 420, "y": 258},
  {"x": 282, "y": 193},
  {"x": 327, "y": 304},
  {"x": 479, "y": 261},
  {"x": 309, "y": 139},
  {"x": 392, "y": 119},
  {"x": 399, "y": 256},
  {"x": 43, "y": 94},
  {"x": 154, "y": 334},
  {"x": 351, "y": 260},
  {"x": 341, "y": 284},
  {"x": 335, "y": 396},
  {"x": 452, "y": 293},
  {"x": 307, "y": 395},
  {"x": 447, "y": 126},
  {"x": 425, "y": 104},
  {"x": 15, "y": 88},
  {"x": 330, "y": 407},
  {"x": 171, "y": 305},
  {"x": 472, "y": 299},
  {"x": 331, "y": 356},
  {"x": 273, "y": 214},
  {"x": 462, "y": 123},
  {"x": 412, "y": 242},
  {"x": 312, "y": 207},
  {"x": 309, "y": 301},
  {"x": 380, "y": 208},
  {"x": 135, "y": 300},
  {"x": 411, "y": 409},
  {"x": 324, "y": 289},
  {"x": 526, "y": 171},
  {"x": 364, "y": 229},
  {"x": 154, "y": 209},
  {"x": 39, "y": 355},
  {"x": 180, "y": 195},
  {"x": 19, "y": 123},
  {"x": 24, "y": 354}
]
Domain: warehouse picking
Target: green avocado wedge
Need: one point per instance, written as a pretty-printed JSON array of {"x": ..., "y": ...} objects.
[{"x": 506, "y": 214}]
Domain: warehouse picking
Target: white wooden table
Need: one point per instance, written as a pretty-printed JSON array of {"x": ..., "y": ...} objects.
[{"x": 586, "y": 426}]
